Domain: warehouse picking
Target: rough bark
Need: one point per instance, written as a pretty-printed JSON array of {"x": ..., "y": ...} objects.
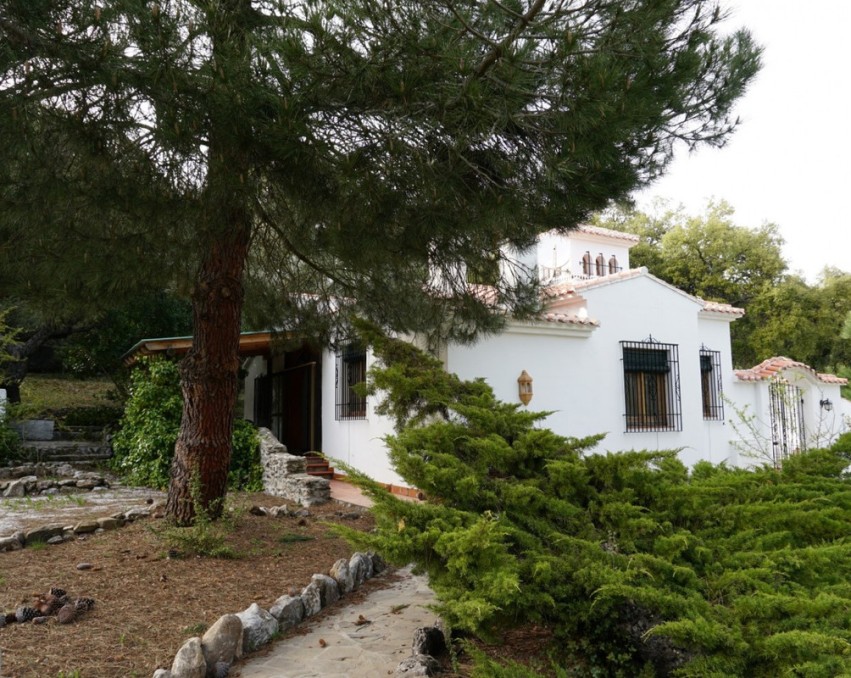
[{"x": 209, "y": 381}]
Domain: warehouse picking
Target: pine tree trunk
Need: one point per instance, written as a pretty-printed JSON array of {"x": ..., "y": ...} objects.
[
  {"x": 209, "y": 372},
  {"x": 209, "y": 381}
]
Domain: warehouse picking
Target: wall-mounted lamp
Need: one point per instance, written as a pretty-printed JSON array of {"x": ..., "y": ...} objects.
[
  {"x": 524, "y": 387},
  {"x": 825, "y": 404}
]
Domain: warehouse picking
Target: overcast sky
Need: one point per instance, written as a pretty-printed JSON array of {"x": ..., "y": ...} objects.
[{"x": 789, "y": 162}]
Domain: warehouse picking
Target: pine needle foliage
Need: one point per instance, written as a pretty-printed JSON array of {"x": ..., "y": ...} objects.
[
  {"x": 300, "y": 163},
  {"x": 639, "y": 564}
]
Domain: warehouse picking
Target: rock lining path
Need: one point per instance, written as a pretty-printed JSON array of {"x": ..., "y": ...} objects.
[{"x": 337, "y": 646}]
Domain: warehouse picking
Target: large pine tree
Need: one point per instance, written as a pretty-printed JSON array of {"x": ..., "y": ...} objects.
[{"x": 330, "y": 157}]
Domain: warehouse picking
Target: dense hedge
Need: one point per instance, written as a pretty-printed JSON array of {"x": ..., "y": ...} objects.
[
  {"x": 640, "y": 566},
  {"x": 10, "y": 442},
  {"x": 144, "y": 444}
]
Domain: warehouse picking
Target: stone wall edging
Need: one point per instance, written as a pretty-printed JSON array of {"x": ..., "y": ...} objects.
[
  {"x": 56, "y": 533},
  {"x": 212, "y": 654}
]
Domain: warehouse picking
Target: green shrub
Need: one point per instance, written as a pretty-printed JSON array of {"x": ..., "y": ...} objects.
[
  {"x": 10, "y": 442},
  {"x": 100, "y": 415},
  {"x": 245, "y": 472},
  {"x": 144, "y": 444},
  {"x": 639, "y": 566},
  {"x": 842, "y": 445}
]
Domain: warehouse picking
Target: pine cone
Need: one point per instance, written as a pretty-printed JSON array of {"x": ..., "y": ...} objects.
[
  {"x": 67, "y": 613},
  {"x": 10, "y": 618},
  {"x": 49, "y": 604},
  {"x": 24, "y": 614},
  {"x": 57, "y": 592},
  {"x": 84, "y": 604}
]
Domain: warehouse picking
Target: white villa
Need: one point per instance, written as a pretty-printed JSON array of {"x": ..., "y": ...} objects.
[{"x": 616, "y": 351}]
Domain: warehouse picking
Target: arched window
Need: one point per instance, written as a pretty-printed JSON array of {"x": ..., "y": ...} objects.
[
  {"x": 586, "y": 264},
  {"x": 613, "y": 264},
  {"x": 601, "y": 265}
]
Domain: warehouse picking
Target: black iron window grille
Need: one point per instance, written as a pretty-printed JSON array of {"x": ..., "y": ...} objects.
[
  {"x": 350, "y": 371},
  {"x": 786, "y": 404},
  {"x": 651, "y": 386},
  {"x": 710, "y": 384}
]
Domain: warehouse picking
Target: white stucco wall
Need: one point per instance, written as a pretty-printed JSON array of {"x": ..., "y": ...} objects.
[
  {"x": 580, "y": 378},
  {"x": 753, "y": 403},
  {"x": 254, "y": 367},
  {"x": 356, "y": 442},
  {"x": 561, "y": 251},
  {"x": 580, "y": 242}
]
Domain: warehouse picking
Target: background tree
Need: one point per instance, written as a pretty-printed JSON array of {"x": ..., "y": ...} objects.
[
  {"x": 333, "y": 158},
  {"x": 30, "y": 332},
  {"x": 707, "y": 255},
  {"x": 782, "y": 321},
  {"x": 98, "y": 350},
  {"x": 713, "y": 258}
]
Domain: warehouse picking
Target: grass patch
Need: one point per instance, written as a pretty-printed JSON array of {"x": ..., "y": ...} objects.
[
  {"x": 292, "y": 538},
  {"x": 205, "y": 537},
  {"x": 43, "y": 393},
  {"x": 43, "y": 503}
]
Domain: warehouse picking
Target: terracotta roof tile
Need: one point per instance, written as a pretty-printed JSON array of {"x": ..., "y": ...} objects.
[
  {"x": 560, "y": 292},
  {"x": 487, "y": 294},
  {"x": 570, "y": 319},
  {"x": 769, "y": 368},
  {"x": 718, "y": 307},
  {"x": 608, "y": 232}
]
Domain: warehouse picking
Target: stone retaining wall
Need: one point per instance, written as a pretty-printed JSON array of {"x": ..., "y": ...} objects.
[
  {"x": 27, "y": 485},
  {"x": 285, "y": 475}
]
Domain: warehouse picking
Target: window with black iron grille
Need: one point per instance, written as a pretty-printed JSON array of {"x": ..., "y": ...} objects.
[
  {"x": 710, "y": 384},
  {"x": 351, "y": 370},
  {"x": 651, "y": 386},
  {"x": 786, "y": 403}
]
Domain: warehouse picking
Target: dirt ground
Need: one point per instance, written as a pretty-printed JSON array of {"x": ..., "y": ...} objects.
[{"x": 147, "y": 603}]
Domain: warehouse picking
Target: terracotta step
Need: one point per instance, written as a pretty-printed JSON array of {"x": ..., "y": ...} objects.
[{"x": 318, "y": 466}]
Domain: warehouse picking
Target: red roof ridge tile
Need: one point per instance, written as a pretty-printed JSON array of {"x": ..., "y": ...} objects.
[{"x": 769, "y": 368}]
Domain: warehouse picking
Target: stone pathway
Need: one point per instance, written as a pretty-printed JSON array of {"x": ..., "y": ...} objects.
[{"x": 336, "y": 646}]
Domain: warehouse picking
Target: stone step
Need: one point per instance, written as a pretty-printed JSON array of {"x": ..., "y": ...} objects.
[
  {"x": 65, "y": 450},
  {"x": 83, "y": 433}
]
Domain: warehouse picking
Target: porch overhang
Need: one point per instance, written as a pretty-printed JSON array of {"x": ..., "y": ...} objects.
[{"x": 250, "y": 344}]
